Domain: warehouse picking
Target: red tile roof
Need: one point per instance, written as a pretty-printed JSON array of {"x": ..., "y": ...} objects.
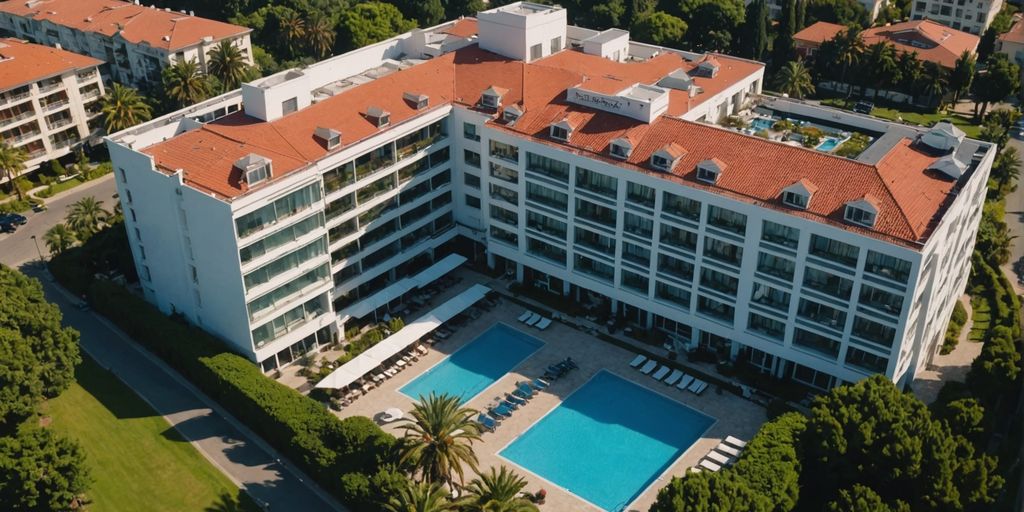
[
  {"x": 933, "y": 42},
  {"x": 22, "y": 62},
  {"x": 1016, "y": 32},
  {"x": 463, "y": 28},
  {"x": 755, "y": 170},
  {"x": 137, "y": 24},
  {"x": 818, "y": 33}
]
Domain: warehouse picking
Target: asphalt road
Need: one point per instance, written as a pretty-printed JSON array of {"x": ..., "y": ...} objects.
[
  {"x": 17, "y": 248},
  {"x": 1015, "y": 223}
]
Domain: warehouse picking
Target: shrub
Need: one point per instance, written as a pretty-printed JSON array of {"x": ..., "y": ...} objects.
[
  {"x": 735, "y": 122},
  {"x": 396, "y": 324},
  {"x": 783, "y": 125},
  {"x": 959, "y": 314}
]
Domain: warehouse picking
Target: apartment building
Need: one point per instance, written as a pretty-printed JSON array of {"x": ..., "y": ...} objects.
[
  {"x": 931, "y": 41},
  {"x": 578, "y": 161},
  {"x": 972, "y": 16},
  {"x": 136, "y": 42},
  {"x": 49, "y": 99},
  {"x": 775, "y": 7}
]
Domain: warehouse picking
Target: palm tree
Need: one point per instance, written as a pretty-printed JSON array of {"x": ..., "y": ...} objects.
[
  {"x": 794, "y": 80},
  {"x": 881, "y": 69},
  {"x": 320, "y": 35},
  {"x": 1006, "y": 169},
  {"x": 185, "y": 83},
  {"x": 293, "y": 30},
  {"x": 962, "y": 77},
  {"x": 420, "y": 497},
  {"x": 59, "y": 238},
  {"x": 933, "y": 83},
  {"x": 123, "y": 107},
  {"x": 86, "y": 216},
  {"x": 438, "y": 438},
  {"x": 12, "y": 162},
  {"x": 228, "y": 64},
  {"x": 498, "y": 491},
  {"x": 849, "y": 48}
]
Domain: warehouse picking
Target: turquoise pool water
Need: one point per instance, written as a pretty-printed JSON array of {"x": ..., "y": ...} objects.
[
  {"x": 608, "y": 440},
  {"x": 762, "y": 123},
  {"x": 828, "y": 144},
  {"x": 474, "y": 367}
]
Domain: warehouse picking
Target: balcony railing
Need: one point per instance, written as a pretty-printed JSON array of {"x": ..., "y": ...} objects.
[
  {"x": 5, "y": 98},
  {"x": 22, "y": 116},
  {"x": 59, "y": 123},
  {"x": 56, "y": 105},
  {"x": 52, "y": 86},
  {"x": 23, "y": 137}
]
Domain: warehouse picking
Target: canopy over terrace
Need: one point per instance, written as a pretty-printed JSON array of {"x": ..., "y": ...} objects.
[
  {"x": 376, "y": 355},
  {"x": 403, "y": 286}
]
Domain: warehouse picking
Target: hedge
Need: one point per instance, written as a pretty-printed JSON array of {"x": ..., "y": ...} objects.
[{"x": 324, "y": 446}]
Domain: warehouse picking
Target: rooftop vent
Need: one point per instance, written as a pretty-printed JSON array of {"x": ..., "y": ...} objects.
[
  {"x": 678, "y": 79},
  {"x": 379, "y": 116},
  {"x": 255, "y": 168},
  {"x": 943, "y": 136},
  {"x": 329, "y": 136},
  {"x": 949, "y": 166},
  {"x": 416, "y": 100}
]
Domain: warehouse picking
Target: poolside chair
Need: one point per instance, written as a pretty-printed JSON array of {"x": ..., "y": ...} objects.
[
  {"x": 487, "y": 422},
  {"x": 544, "y": 323},
  {"x": 672, "y": 379},
  {"x": 649, "y": 367},
  {"x": 525, "y": 316},
  {"x": 539, "y": 384},
  {"x": 638, "y": 360},
  {"x": 661, "y": 373},
  {"x": 696, "y": 385},
  {"x": 422, "y": 350},
  {"x": 525, "y": 388},
  {"x": 500, "y": 411},
  {"x": 708, "y": 465},
  {"x": 703, "y": 386},
  {"x": 519, "y": 393},
  {"x": 685, "y": 382},
  {"x": 728, "y": 450},
  {"x": 570, "y": 363},
  {"x": 732, "y": 441},
  {"x": 514, "y": 399},
  {"x": 533, "y": 319},
  {"x": 719, "y": 458},
  {"x": 508, "y": 403}
]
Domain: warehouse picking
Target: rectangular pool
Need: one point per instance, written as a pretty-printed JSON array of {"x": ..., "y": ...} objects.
[
  {"x": 609, "y": 440},
  {"x": 474, "y": 367}
]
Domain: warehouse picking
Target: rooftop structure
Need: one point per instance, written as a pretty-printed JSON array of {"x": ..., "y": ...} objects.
[
  {"x": 49, "y": 99},
  {"x": 577, "y": 160},
  {"x": 1012, "y": 42},
  {"x": 137, "y": 41},
  {"x": 933, "y": 42},
  {"x": 970, "y": 16}
]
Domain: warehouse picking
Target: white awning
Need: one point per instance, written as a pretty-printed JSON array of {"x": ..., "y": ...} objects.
[
  {"x": 403, "y": 286},
  {"x": 396, "y": 343}
]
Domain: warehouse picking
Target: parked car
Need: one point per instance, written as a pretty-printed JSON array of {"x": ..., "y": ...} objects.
[
  {"x": 8, "y": 227},
  {"x": 13, "y": 218},
  {"x": 863, "y": 107}
]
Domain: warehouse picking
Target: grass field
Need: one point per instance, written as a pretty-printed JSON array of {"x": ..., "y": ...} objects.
[
  {"x": 963, "y": 122},
  {"x": 137, "y": 461}
]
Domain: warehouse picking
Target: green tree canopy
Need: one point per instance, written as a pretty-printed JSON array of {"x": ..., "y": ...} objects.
[
  {"x": 420, "y": 497},
  {"x": 660, "y": 28},
  {"x": 601, "y": 15},
  {"x": 370, "y": 22},
  {"x": 59, "y": 238},
  {"x": 498, "y": 491},
  {"x": 962, "y": 77},
  {"x": 185, "y": 83},
  {"x": 1001, "y": 78},
  {"x": 228, "y": 65},
  {"x": 455, "y": 8},
  {"x": 86, "y": 216},
  {"x": 794, "y": 80},
  {"x": 711, "y": 22},
  {"x": 40, "y": 470},
  {"x": 124, "y": 107},
  {"x": 439, "y": 434},
  {"x": 754, "y": 37},
  {"x": 843, "y": 12},
  {"x": 863, "y": 499},
  {"x": 12, "y": 163}
]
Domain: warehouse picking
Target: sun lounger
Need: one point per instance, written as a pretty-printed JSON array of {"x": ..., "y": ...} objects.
[
  {"x": 514, "y": 399},
  {"x": 661, "y": 373},
  {"x": 685, "y": 382},
  {"x": 638, "y": 360},
  {"x": 422, "y": 350},
  {"x": 539, "y": 383},
  {"x": 649, "y": 367},
  {"x": 501, "y": 411},
  {"x": 487, "y": 422},
  {"x": 672, "y": 379},
  {"x": 719, "y": 458},
  {"x": 708, "y": 465},
  {"x": 728, "y": 450},
  {"x": 525, "y": 316},
  {"x": 570, "y": 363},
  {"x": 732, "y": 441},
  {"x": 519, "y": 393},
  {"x": 543, "y": 324},
  {"x": 696, "y": 385},
  {"x": 701, "y": 388},
  {"x": 508, "y": 403},
  {"x": 525, "y": 388},
  {"x": 533, "y": 319}
]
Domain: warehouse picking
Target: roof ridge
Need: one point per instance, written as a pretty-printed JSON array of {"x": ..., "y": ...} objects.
[{"x": 888, "y": 190}]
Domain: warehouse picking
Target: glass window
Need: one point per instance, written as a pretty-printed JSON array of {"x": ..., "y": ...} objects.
[
  {"x": 767, "y": 326},
  {"x": 280, "y": 209},
  {"x": 265, "y": 302},
  {"x": 880, "y": 299},
  {"x": 536, "y": 51},
  {"x": 718, "y": 281},
  {"x": 503, "y": 215},
  {"x": 637, "y": 254},
  {"x": 859, "y": 216},
  {"x": 827, "y": 283},
  {"x": 596, "y": 213},
  {"x": 673, "y": 294},
  {"x": 440, "y": 156},
  {"x": 633, "y": 281},
  {"x": 285, "y": 236},
  {"x": 822, "y": 314},
  {"x": 504, "y": 151},
  {"x": 546, "y": 225},
  {"x": 834, "y": 250},
  {"x": 640, "y": 194},
  {"x": 594, "y": 268},
  {"x": 771, "y": 297},
  {"x": 374, "y": 161},
  {"x": 716, "y": 309},
  {"x": 678, "y": 238},
  {"x": 504, "y": 235},
  {"x": 472, "y": 158},
  {"x": 889, "y": 267},
  {"x": 595, "y": 241},
  {"x": 504, "y": 194},
  {"x": 874, "y": 332},
  {"x": 680, "y": 206},
  {"x": 338, "y": 177},
  {"x": 471, "y": 180},
  {"x": 547, "y": 196},
  {"x": 556, "y": 44},
  {"x": 675, "y": 267},
  {"x": 473, "y": 202},
  {"x": 412, "y": 170},
  {"x": 867, "y": 361},
  {"x": 545, "y": 250},
  {"x": 287, "y": 322},
  {"x": 816, "y": 343},
  {"x": 469, "y": 131},
  {"x": 723, "y": 251},
  {"x": 782, "y": 268},
  {"x": 637, "y": 225},
  {"x": 549, "y": 167},
  {"x": 780, "y": 234},
  {"x": 596, "y": 182},
  {"x": 794, "y": 199},
  {"x": 504, "y": 173},
  {"x": 381, "y": 186},
  {"x": 727, "y": 219}
]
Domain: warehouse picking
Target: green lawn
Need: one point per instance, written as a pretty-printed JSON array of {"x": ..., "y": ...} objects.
[
  {"x": 963, "y": 122},
  {"x": 57, "y": 188},
  {"x": 137, "y": 461}
]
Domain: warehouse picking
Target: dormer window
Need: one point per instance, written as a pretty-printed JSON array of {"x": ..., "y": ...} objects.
[
  {"x": 560, "y": 130},
  {"x": 379, "y": 116},
  {"x": 491, "y": 97},
  {"x": 330, "y": 137},
  {"x": 798, "y": 195},
  {"x": 708, "y": 171},
  {"x": 620, "y": 148},
  {"x": 862, "y": 211},
  {"x": 417, "y": 101},
  {"x": 666, "y": 158},
  {"x": 660, "y": 162},
  {"x": 255, "y": 168},
  {"x": 511, "y": 114}
]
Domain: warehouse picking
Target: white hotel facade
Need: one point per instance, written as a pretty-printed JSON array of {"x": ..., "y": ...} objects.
[{"x": 581, "y": 161}]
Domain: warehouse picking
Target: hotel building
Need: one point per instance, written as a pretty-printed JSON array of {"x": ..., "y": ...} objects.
[
  {"x": 578, "y": 161},
  {"x": 972, "y": 16},
  {"x": 49, "y": 99},
  {"x": 136, "y": 42}
]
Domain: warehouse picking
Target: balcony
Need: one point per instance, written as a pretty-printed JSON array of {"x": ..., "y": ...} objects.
[
  {"x": 19, "y": 117},
  {"x": 51, "y": 86},
  {"x": 59, "y": 123},
  {"x": 11, "y": 98},
  {"x": 17, "y": 139},
  {"x": 56, "y": 105}
]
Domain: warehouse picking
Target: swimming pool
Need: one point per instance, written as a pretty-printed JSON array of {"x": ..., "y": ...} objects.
[
  {"x": 762, "y": 123},
  {"x": 609, "y": 440},
  {"x": 829, "y": 144},
  {"x": 474, "y": 367}
]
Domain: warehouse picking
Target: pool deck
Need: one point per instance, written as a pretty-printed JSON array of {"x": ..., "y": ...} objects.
[{"x": 735, "y": 416}]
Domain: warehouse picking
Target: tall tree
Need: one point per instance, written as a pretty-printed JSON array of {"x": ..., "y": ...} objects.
[
  {"x": 498, "y": 490},
  {"x": 911, "y": 69},
  {"x": 849, "y": 49},
  {"x": 1006, "y": 168},
  {"x": 782, "y": 49},
  {"x": 12, "y": 163},
  {"x": 711, "y": 22},
  {"x": 794, "y": 80},
  {"x": 987, "y": 44},
  {"x": 123, "y": 107},
  {"x": 228, "y": 65},
  {"x": 881, "y": 68},
  {"x": 425, "y": 12},
  {"x": 1001, "y": 78},
  {"x": 962, "y": 77},
  {"x": 59, "y": 238},
  {"x": 420, "y": 497},
  {"x": 754, "y": 38},
  {"x": 602, "y": 15},
  {"x": 185, "y": 83},
  {"x": 369, "y": 22},
  {"x": 455, "y": 8},
  {"x": 862, "y": 499},
  {"x": 843, "y": 12},
  {"x": 438, "y": 438},
  {"x": 710, "y": 492},
  {"x": 801, "y": 15},
  {"x": 41, "y": 470},
  {"x": 292, "y": 29},
  {"x": 320, "y": 33},
  {"x": 86, "y": 216},
  {"x": 660, "y": 28}
]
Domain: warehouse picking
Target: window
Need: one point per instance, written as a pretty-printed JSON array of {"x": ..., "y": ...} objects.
[
  {"x": 880, "y": 299},
  {"x": 673, "y": 294},
  {"x": 727, "y": 220},
  {"x": 718, "y": 281},
  {"x": 680, "y": 206},
  {"x": 472, "y": 158},
  {"x": 766, "y": 326},
  {"x": 707, "y": 174},
  {"x": 546, "y": 225},
  {"x": 859, "y": 216},
  {"x": 660, "y": 162},
  {"x": 338, "y": 177},
  {"x": 510, "y": 115},
  {"x": 834, "y": 250},
  {"x": 556, "y": 44},
  {"x": 124, "y": 177},
  {"x": 471, "y": 180},
  {"x": 504, "y": 236},
  {"x": 795, "y": 200},
  {"x": 469, "y": 131},
  {"x": 634, "y": 281},
  {"x": 678, "y": 238},
  {"x": 490, "y": 100},
  {"x": 594, "y": 268},
  {"x": 536, "y": 51},
  {"x": 889, "y": 267},
  {"x": 816, "y": 343},
  {"x": 504, "y": 173},
  {"x": 872, "y": 363},
  {"x": 289, "y": 106},
  {"x": 620, "y": 150},
  {"x": 473, "y": 202},
  {"x": 500, "y": 214},
  {"x": 771, "y": 297},
  {"x": 782, "y": 268},
  {"x": 559, "y": 133},
  {"x": 597, "y": 182},
  {"x": 640, "y": 194},
  {"x": 278, "y": 210},
  {"x": 820, "y": 313},
  {"x": 504, "y": 151},
  {"x": 254, "y": 176},
  {"x": 723, "y": 251},
  {"x": 545, "y": 250},
  {"x": 636, "y": 254},
  {"x": 874, "y": 332},
  {"x": 829, "y": 284},
  {"x": 595, "y": 241},
  {"x": 280, "y": 238},
  {"x": 715, "y": 309},
  {"x": 549, "y": 167},
  {"x": 547, "y": 196},
  {"x": 596, "y": 213},
  {"x": 675, "y": 267},
  {"x": 780, "y": 234}
]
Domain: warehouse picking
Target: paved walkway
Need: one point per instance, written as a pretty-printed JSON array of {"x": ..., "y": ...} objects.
[
  {"x": 232, "y": 448},
  {"x": 952, "y": 366}
]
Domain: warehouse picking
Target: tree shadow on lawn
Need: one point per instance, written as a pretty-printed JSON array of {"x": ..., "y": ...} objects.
[{"x": 107, "y": 388}]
